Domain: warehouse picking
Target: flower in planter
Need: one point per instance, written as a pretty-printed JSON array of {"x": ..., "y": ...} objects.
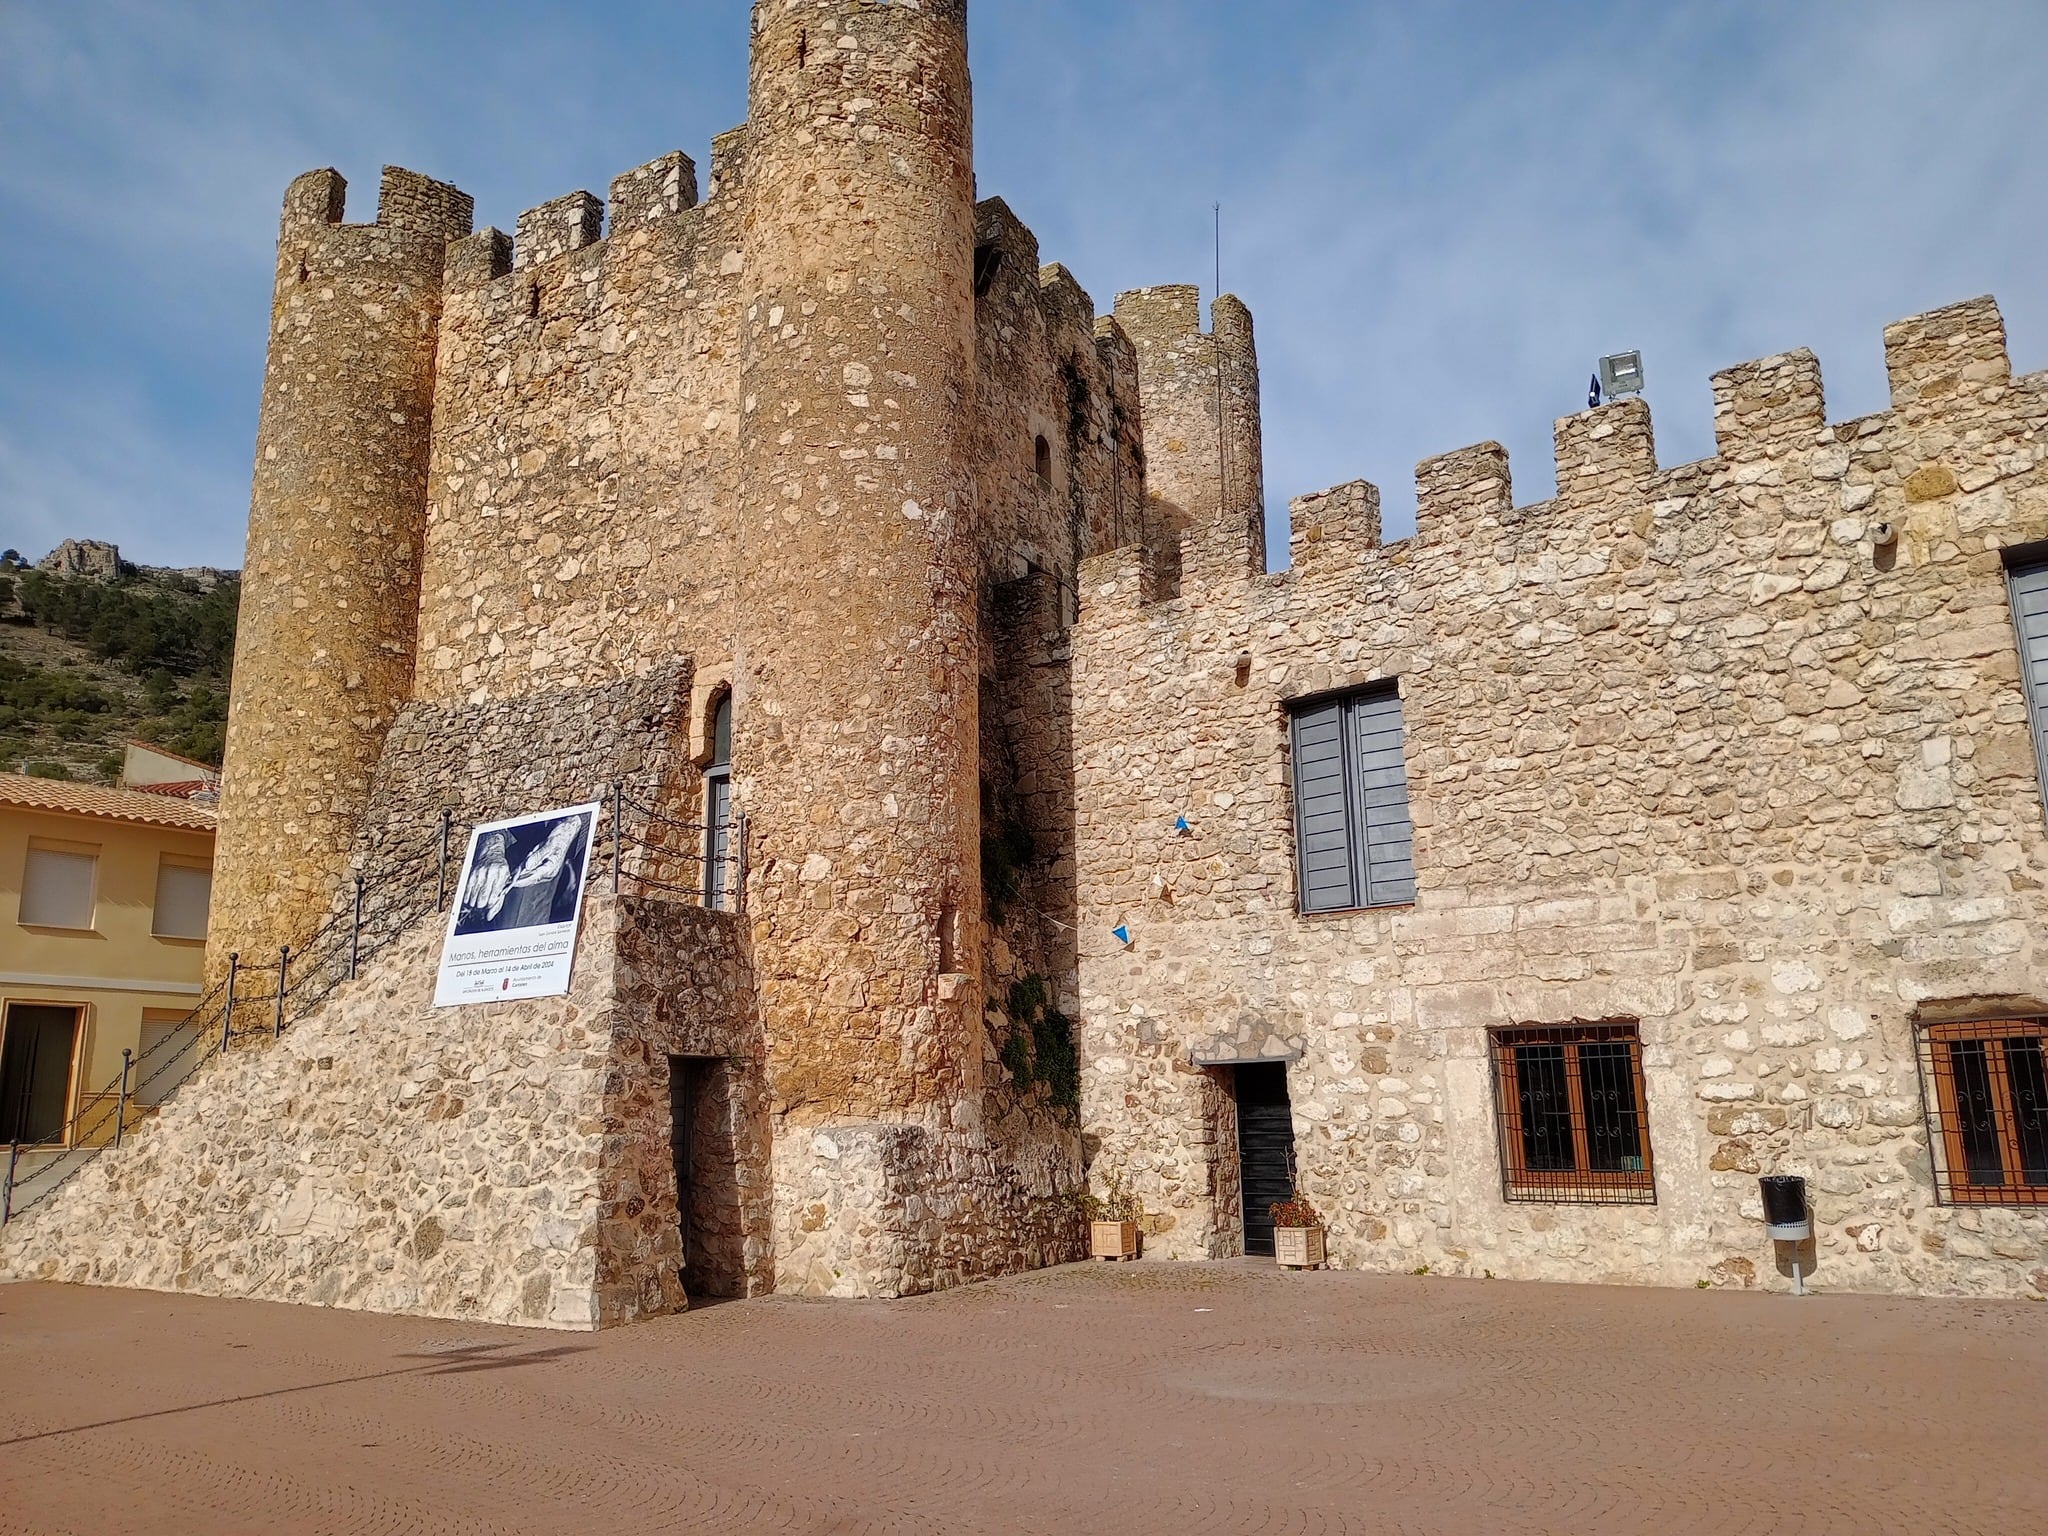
[
  {"x": 1295, "y": 1211},
  {"x": 1116, "y": 1203}
]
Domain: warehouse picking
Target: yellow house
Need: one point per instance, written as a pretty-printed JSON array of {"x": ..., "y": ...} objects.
[{"x": 103, "y": 904}]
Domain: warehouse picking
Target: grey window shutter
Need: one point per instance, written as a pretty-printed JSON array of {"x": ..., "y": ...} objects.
[
  {"x": 1322, "y": 811},
  {"x": 1379, "y": 777},
  {"x": 2030, "y": 618},
  {"x": 1353, "y": 839}
]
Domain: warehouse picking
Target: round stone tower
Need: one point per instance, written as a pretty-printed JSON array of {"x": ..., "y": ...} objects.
[
  {"x": 330, "y": 580},
  {"x": 855, "y": 732}
]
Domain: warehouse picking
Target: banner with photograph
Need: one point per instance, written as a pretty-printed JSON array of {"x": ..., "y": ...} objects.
[{"x": 512, "y": 925}]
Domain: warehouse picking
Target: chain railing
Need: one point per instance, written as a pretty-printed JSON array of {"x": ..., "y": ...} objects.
[{"x": 640, "y": 850}]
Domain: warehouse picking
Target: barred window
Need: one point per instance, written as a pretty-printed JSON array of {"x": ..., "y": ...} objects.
[
  {"x": 1573, "y": 1124},
  {"x": 1987, "y": 1104}
]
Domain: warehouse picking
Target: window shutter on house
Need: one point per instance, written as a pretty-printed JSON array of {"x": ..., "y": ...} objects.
[
  {"x": 2030, "y": 618},
  {"x": 1352, "y": 833}
]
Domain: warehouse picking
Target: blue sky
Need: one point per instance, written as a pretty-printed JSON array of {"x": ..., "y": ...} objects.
[{"x": 1441, "y": 214}]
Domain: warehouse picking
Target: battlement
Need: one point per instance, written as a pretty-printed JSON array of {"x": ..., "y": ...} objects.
[
  {"x": 1946, "y": 351},
  {"x": 640, "y": 199},
  {"x": 1770, "y": 427},
  {"x": 1163, "y": 313},
  {"x": 407, "y": 203},
  {"x": 665, "y": 185},
  {"x": 556, "y": 228}
]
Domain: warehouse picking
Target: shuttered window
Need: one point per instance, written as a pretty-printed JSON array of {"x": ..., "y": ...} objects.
[
  {"x": 2030, "y": 617},
  {"x": 1353, "y": 841}
]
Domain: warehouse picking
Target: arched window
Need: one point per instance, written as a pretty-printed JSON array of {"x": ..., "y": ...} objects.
[
  {"x": 718, "y": 850},
  {"x": 1044, "y": 457}
]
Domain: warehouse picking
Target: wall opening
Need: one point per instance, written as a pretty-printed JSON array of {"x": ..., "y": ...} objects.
[
  {"x": 702, "y": 1142},
  {"x": 988, "y": 261},
  {"x": 37, "y": 1050},
  {"x": 1265, "y": 1147},
  {"x": 1042, "y": 458}
]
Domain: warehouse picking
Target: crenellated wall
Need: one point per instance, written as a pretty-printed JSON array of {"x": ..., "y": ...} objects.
[{"x": 1692, "y": 747}]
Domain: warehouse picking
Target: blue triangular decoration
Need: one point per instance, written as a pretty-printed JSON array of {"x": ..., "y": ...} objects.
[
  {"x": 1180, "y": 824},
  {"x": 1123, "y": 934}
]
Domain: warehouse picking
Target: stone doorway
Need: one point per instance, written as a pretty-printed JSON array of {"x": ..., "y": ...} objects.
[
  {"x": 1265, "y": 1147},
  {"x": 701, "y": 1130}
]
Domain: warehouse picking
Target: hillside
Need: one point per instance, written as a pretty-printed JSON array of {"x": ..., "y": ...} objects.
[{"x": 90, "y": 661}]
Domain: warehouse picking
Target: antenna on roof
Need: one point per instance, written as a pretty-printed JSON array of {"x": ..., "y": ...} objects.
[
  {"x": 1222, "y": 404},
  {"x": 1219, "y": 250}
]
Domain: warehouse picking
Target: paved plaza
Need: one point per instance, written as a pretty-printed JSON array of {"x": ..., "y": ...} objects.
[{"x": 1147, "y": 1397}]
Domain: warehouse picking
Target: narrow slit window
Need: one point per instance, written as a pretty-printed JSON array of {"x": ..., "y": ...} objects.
[
  {"x": 1041, "y": 455},
  {"x": 718, "y": 846}
]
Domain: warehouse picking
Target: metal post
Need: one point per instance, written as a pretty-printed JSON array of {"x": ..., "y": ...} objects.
[
  {"x": 441, "y": 882},
  {"x": 121, "y": 1111},
  {"x": 740, "y": 875},
  {"x": 618, "y": 828},
  {"x": 7, "y": 1194},
  {"x": 227, "y": 1015},
  {"x": 284, "y": 960},
  {"x": 355, "y": 931}
]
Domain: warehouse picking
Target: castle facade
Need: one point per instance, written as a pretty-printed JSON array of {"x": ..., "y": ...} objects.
[{"x": 1518, "y": 892}]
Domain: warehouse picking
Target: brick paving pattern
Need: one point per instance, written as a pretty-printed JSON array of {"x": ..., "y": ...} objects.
[{"x": 1148, "y": 1397}]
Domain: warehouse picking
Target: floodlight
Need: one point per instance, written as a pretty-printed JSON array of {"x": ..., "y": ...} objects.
[{"x": 1621, "y": 373}]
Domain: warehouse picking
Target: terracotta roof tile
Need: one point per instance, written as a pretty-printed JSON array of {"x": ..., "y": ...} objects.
[{"x": 97, "y": 800}]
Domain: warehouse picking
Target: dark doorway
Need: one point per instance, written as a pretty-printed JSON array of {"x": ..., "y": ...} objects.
[
  {"x": 701, "y": 1118},
  {"x": 35, "y": 1071},
  {"x": 1265, "y": 1147}
]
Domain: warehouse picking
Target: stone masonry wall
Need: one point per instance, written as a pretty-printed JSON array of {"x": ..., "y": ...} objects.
[
  {"x": 383, "y": 1155},
  {"x": 1691, "y": 747},
  {"x": 507, "y": 1162},
  {"x": 584, "y": 474}
]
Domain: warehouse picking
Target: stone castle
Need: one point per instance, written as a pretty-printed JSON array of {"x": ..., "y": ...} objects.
[{"x": 1518, "y": 892}]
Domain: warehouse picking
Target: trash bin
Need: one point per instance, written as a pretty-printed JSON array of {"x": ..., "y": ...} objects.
[{"x": 1785, "y": 1212}]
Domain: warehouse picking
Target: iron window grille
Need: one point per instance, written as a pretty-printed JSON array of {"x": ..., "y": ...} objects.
[
  {"x": 1984, "y": 1086},
  {"x": 1574, "y": 1129}
]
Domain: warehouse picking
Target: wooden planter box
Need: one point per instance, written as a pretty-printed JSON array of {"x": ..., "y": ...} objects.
[
  {"x": 1113, "y": 1239},
  {"x": 1299, "y": 1247}
]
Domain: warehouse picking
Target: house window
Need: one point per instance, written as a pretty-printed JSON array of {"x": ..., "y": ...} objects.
[
  {"x": 1573, "y": 1127},
  {"x": 38, "y": 1044},
  {"x": 184, "y": 891},
  {"x": 1042, "y": 460},
  {"x": 57, "y": 886},
  {"x": 1988, "y": 1110},
  {"x": 2027, "y": 580},
  {"x": 1354, "y": 846},
  {"x": 718, "y": 849}
]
